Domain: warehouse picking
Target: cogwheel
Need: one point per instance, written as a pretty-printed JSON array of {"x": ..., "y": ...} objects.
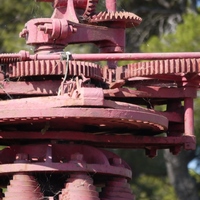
[
  {"x": 160, "y": 67},
  {"x": 90, "y": 9},
  {"x": 53, "y": 67},
  {"x": 130, "y": 19}
]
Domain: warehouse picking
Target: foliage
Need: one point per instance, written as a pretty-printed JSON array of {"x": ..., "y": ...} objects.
[
  {"x": 149, "y": 187},
  {"x": 196, "y": 176},
  {"x": 186, "y": 38},
  {"x": 13, "y": 15},
  {"x": 159, "y": 16}
]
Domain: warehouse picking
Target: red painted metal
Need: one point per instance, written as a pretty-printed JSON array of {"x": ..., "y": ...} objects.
[
  {"x": 189, "y": 116},
  {"x": 58, "y": 111},
  {"x": 53, "y": 158},
  {"x": 117, "y": 188},
  {"x": 23, "y": 187},
  {"x": 24, "y": 55},
  {"x": 111, "y": 5},
  {"x": 79, "y": 186}
]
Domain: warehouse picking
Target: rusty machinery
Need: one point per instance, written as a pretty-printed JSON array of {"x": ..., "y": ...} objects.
[{"x": 59, "y": 111}]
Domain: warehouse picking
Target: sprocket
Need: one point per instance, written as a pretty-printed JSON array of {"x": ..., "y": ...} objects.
[{"x": 129, "y": 19}]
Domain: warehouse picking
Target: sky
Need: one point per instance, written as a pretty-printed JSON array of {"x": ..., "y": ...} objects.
[{"x": 193, "y": 165}]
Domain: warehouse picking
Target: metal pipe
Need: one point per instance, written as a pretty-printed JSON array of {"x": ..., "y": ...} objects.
[
  {"x": 134, "y": 56},
  {"x": 106, "y": 56}
]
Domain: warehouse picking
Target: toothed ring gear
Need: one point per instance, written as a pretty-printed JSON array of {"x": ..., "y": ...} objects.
[
  {"x": 53, "y": 67},
  {"x": 160, "y": 67}
]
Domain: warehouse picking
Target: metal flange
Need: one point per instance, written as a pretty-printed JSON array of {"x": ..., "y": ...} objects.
[{"x": 88, "y": 119}]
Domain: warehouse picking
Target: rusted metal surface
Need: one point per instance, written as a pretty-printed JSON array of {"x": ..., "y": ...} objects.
[{"x": 58, "y": 111}]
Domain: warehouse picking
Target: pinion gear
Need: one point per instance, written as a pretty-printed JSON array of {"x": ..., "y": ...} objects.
[
  {"x": 130, "y": 19},
  {"x": 90, "y": 9}
]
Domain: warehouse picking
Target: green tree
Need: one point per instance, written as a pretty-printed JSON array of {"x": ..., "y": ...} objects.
[
  {"x": 159, "y": 16},
  {"x": 13, "y": 15},
  {"x": 185, "y": 38}
]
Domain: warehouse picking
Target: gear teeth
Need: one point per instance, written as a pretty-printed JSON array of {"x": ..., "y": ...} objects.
[
  {"x": 130, "y": 19},
  {"x": 54, "y": 67},
  {"x": 161, "y": 67},
  {"x": 90, "y": 9}
]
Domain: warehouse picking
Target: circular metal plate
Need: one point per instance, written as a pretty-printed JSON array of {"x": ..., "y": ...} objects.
[{"x": 84, "y": 119}]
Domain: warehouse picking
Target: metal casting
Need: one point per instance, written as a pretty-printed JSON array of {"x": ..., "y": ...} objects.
[{"x": 58, "y": 111}]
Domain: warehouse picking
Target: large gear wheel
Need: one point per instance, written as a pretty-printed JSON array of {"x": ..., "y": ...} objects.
[
  {"x": 162, "y": 67},
  {"x": 130, "y": 19},
  {"x": 54, "y": 67}
]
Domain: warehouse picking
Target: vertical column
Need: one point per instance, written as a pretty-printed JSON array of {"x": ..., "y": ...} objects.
[
  {"x": 111, "y": 5},
  {"x": 189, "y": 116}
]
